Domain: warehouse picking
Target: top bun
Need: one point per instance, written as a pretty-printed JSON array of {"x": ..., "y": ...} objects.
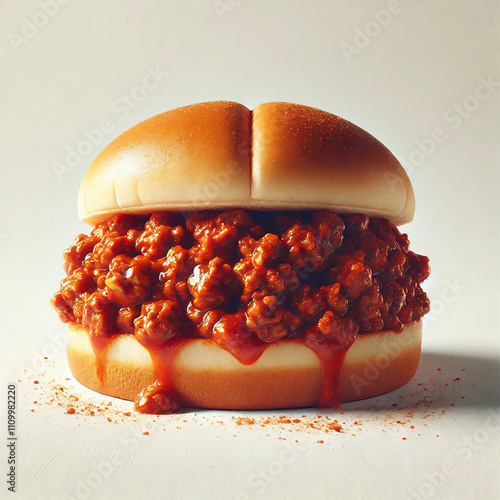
[{"x": 220, "y": 154}]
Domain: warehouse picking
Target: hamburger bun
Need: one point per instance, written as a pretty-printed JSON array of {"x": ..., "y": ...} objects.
[
  {"x": 220, "y": 155},
  {"x": 287, "y": 375}
]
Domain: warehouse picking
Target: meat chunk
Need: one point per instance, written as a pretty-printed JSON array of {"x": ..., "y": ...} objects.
[
  {"x": 212, "y": 284},
  {"x": 159, "y": 321},
  {"x": 270, "y": 320},
  {"x": 242, "y": 278},
  {"x": 128, "y": 281}
]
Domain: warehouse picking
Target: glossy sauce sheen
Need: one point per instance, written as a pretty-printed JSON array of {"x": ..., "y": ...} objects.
[
  {"x": 244, "y": 280},
  {"x": 331, "y": 357},
  {"x": 162, "y": 396},
  {"x": 100, "y": 346}
]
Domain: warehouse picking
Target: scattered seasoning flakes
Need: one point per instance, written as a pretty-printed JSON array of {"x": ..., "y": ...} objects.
[
  {"x": 316, "y": 423},
  {"x": 439, "y": 369},
  {"x": 406, "y": 411},
  {"x": 146, "y": 433}
]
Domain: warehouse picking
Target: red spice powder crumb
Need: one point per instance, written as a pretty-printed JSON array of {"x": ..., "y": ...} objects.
[
  {"x": 439, "y": 369},
  {"x": 320, "y": 441},
  {"x": 65, "y": 397},
  {"x": 404, "y": 439},
  {"x": 455, "y": 379},
  {"x": 146, "y": 433},
  {"x": 406, "y": 411},
  {"x": 317, "y": 423}
]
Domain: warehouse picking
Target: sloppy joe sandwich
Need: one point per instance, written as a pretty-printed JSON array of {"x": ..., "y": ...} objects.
[{"x": 243, "y": 260}]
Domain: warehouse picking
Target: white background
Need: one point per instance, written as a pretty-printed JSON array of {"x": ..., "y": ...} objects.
[{"x": 411, "y": 77}]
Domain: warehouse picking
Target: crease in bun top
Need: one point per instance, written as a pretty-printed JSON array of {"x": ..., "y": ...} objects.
[{"x": 243, "y": 260}]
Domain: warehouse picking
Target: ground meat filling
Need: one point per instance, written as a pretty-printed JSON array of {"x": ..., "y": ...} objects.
[{"x": 240, "y": 274}]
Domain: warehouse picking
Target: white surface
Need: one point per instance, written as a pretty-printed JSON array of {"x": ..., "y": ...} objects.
[{"x": 73, "y": 75}]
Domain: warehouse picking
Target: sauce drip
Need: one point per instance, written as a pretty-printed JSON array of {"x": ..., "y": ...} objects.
[
  {"x": 246, "y": 351},
  {"x": 233, "y": 335},
  {"x": 331, "y": 357},
  {"x": 161, "y": 397},
  {"x": 100, "y": 345}
]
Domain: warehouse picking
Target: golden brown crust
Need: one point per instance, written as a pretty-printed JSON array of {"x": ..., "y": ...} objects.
[
  {"x": 193, "y": 155},
  {"x": 219, "y": 154},
  {"x": 287, "y": 375},
  {"x": 306, "y": 156}
]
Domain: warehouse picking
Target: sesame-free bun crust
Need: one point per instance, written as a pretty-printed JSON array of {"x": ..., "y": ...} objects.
[
  {"x": 220, "y": 154},
  {"x": 287, "y": 375}
]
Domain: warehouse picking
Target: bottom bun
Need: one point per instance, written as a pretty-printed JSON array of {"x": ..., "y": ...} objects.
[{"x": 288, "y": 374}]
